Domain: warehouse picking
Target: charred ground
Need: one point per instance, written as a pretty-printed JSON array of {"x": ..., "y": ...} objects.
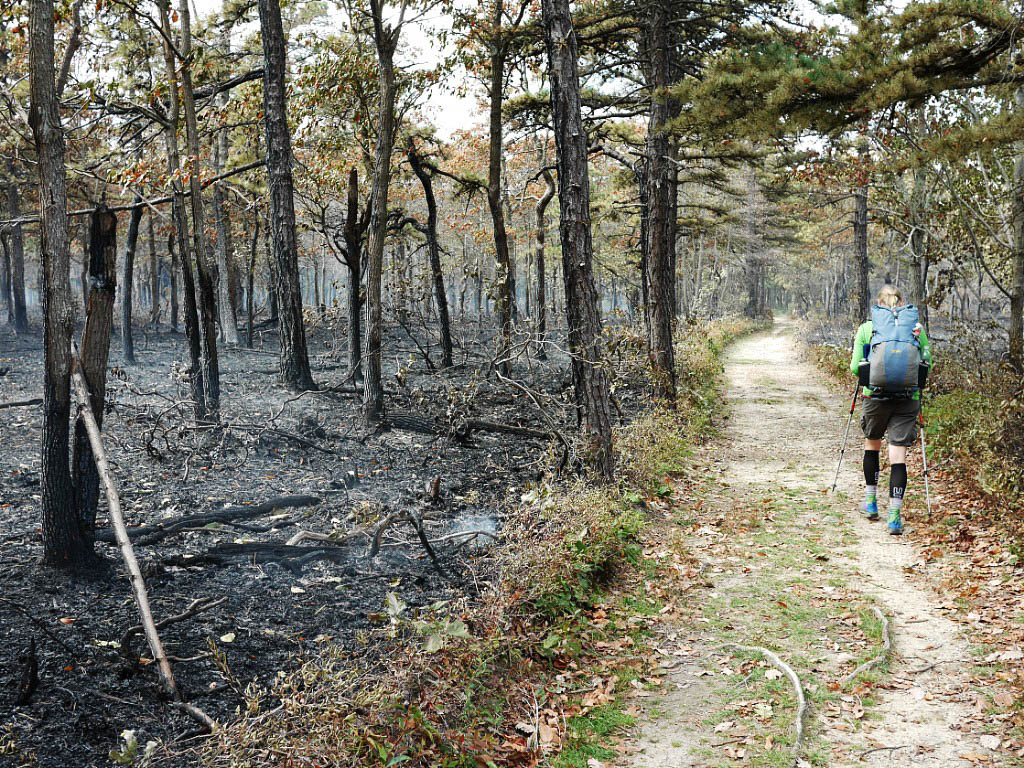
[{"x": 279, "y": 603}]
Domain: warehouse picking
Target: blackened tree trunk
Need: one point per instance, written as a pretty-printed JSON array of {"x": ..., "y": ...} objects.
[
  {"x": 127, "y": 341},
  {"x": 581, "y": 303},
  {"x": 660, "y": 227},
  {"x": 193, "y": 334},
  {"x": 204, "y": 267},
  {"x": 860, "y": 241},
  {"x": 225, "y": 248},
  {"x": 173, "y": 269},
  {"x": 505, "y": 298},
  {"x": 154, "y": 275},
  {"x": 541, "y": 298},
  {"x": 64, "y": 543},
  {"x": 295, "y": 372},
  {"x": 250, "y": 299},
  {"x": 17, "y": 271},
  {"x": 99, "y": 319},
  {"x": 385, "y": 42},
  {"x": 353, "y": 261},
  {"x": 5, "y": 275},
  {"x": 435, "y": 254}
]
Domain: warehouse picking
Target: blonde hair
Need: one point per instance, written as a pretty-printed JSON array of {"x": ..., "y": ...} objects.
[{"x": 889, "y": 296}]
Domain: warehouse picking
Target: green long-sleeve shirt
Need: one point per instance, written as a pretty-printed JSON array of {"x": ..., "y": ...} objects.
[{"x": 864, "y": 337}]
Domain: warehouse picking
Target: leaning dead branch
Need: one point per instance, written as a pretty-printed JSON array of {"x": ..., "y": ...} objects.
[
  {"x": 127, "y": 552},
  {"x": 798, "y": 690},
  {"x": 150, "y": 534},
  {"x": 883, "y": 656}
]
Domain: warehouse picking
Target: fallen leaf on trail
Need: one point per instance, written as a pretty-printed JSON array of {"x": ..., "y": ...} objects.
[
  {"x": 547, "y": 733},
  {"x": 772, "y": 674},
  {"x": 725, "y": 725},
  {"x": 298, "y": 591},
  {"x": 67, "y": 620},
  {"x": 1003, "y": 699},
  {"x": 975, "y": 757},
  {"x": 228, "y": 638},
  {"x": 525, "y": 728}
]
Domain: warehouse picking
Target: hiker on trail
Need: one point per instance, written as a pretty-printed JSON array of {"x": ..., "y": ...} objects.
[{"x": 891, "y": 358}]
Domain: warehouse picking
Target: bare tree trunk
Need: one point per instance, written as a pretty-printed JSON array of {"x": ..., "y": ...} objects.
[
  {"x": 294, "y": 360},
  {"x": 64, "y": 543},
  {"x": 204, "y": 267},
  {"x": 541, "y": 300},
  {"x": 173, "y": 269},
  {"x": 386, "y": 41},
  {"x": 353, "y": 260},
  {"x": 225, "y": 248},
  {"x": 197, "y": 381},
  {"x": 660, "y": 226},
  {"x": 127, "y": 341},
  {"x": 582, "y": 311},
  {"x": 154, "y": 275},
  {"x": 435, "y": 255},
  {"x": 860, "y": 241},
  {"x": 99, "y": 319},
  {"x": 17, "y": 269},
  {"x": 249, "y": 298},
  {"x": 918, "y": 288},
  {"x": 494, "y": 188},
  {"x": 1016, "y": 347},
  {"x": 5, "y": 275}
]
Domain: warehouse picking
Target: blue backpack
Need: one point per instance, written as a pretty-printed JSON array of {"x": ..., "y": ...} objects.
[{"x": 894, "y": 356}]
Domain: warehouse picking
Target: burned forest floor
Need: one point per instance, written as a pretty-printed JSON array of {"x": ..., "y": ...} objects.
[{"x": 349, "y": 514}]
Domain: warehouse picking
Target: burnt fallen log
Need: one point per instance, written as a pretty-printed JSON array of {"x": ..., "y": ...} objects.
[
  {"x": 413, "y": 422},
  {"x": 150, "y": 534},
  {"x": 287, "y": 556},
  {"x": 21, "y": 403}
]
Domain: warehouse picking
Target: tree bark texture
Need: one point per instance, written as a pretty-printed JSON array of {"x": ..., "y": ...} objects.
[
  {"x": 435, "y": 255},
  {"x": 353, "y": 260},
  {"x": 225, "y": 249},
  {"x": 131, "y": 243},
  {"x": 5, "y": 275},
  {"x": 386, "y": 40},
  {"x": 204, "y": 267},
  {"x": 250, "y": 298},
  {"x": 17, "y": 271},
  {"x": 180, "y": 238},
  {"x": 860, "y": 242},
  {"x": 64, "y": 543},
  {"x": 541, "y": 297},
  {"x": 1017, "y": 279},
  {"x": 154, "y": 275},
  {"x": 581, "y": 303},
  {"x": 660, "y": 228},
  {"x": 503, "y": 260},
  {"x": 918, "y": 256},
  {"x": 99, "y": 319},
  {"x": 295, "y": 372}
]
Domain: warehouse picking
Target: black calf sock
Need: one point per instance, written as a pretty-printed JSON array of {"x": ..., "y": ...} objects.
[
  {"x": 897, "y": 481},
  {"x": 871, "y": 468}
]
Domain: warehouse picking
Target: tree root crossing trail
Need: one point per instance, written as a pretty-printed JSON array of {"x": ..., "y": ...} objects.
[{"x": 793, "y": 572}]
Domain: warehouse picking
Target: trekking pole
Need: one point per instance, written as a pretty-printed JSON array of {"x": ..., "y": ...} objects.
[
  {"x": 849, "y": 421},
  {"x": 924, "y": 462}
]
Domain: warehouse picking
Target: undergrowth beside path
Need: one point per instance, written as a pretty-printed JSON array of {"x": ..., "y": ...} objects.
[{"x": 543, "y": 663}]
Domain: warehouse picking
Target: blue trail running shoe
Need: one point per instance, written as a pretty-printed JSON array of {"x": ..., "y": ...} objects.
[
  {"x": 870, "y": 508},
  {"x": 895, "y": 524}
]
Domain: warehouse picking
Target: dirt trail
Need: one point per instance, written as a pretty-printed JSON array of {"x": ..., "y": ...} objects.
[{"x": 781, "y": 440}]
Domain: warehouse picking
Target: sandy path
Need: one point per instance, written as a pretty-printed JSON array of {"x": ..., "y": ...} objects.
[{"x": 783, "y": 434}]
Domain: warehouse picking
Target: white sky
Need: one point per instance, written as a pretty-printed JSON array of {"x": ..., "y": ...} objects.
[{"x": 447, "y": 111}]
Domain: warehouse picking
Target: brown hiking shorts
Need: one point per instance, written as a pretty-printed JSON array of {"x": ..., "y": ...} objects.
[{"x": 897, "y": 417}]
